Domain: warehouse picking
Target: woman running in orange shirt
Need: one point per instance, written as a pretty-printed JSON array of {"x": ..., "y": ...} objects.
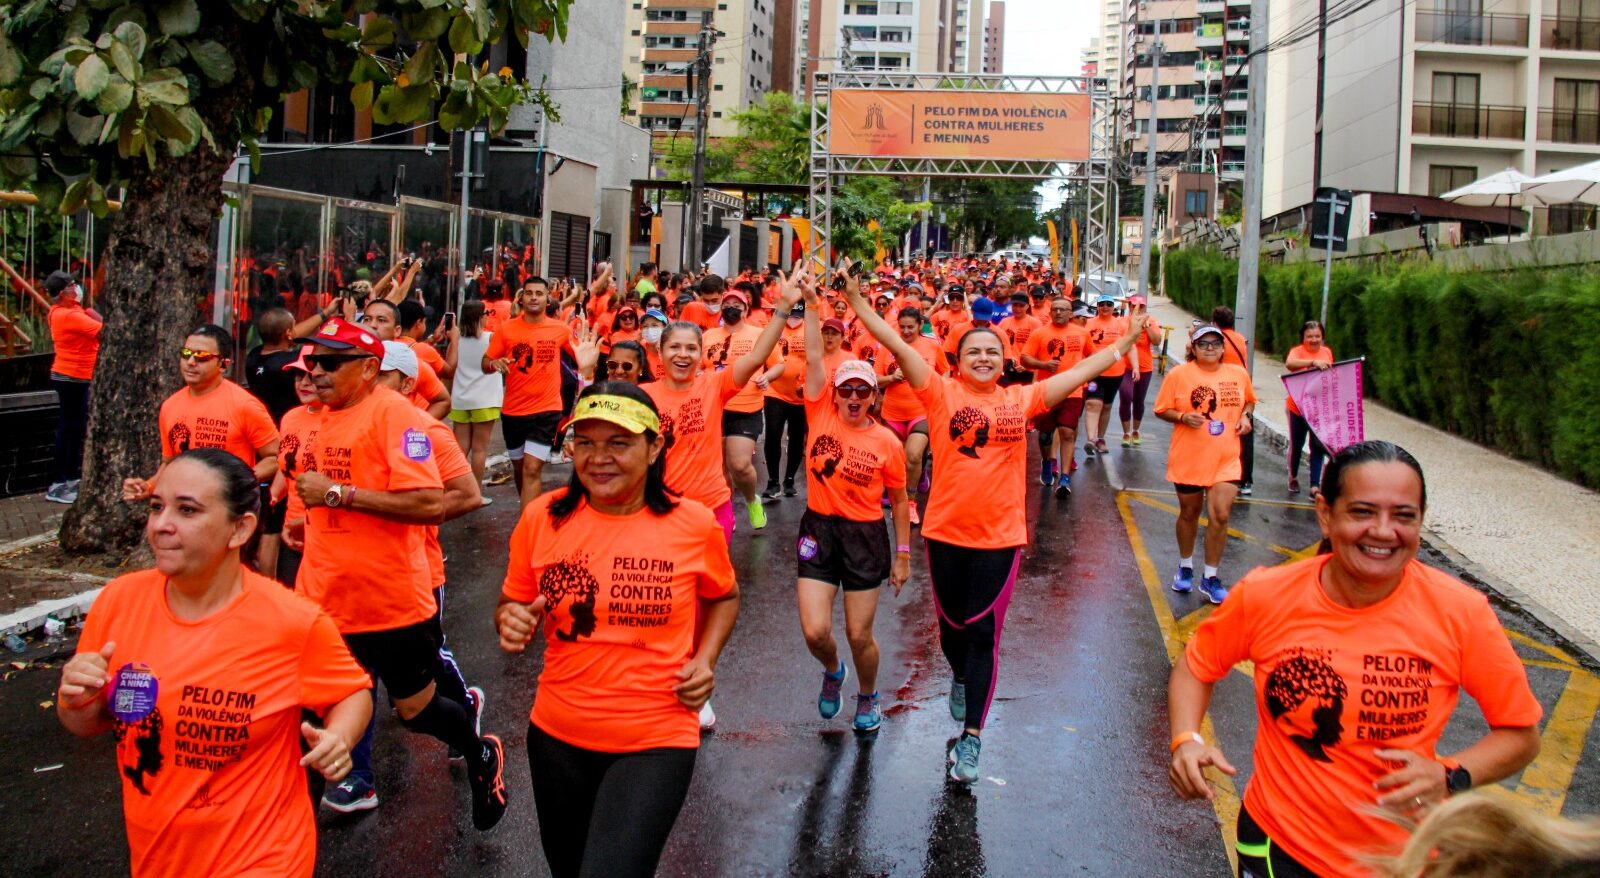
[
  {"x": 636, "y": 597},
  {"x": 201, "y": 655},
  {"x": 1208, "y": 402},
  {"x": 1310, "y": 353},
  {"x": 1359, "y": 657},
  {"x": 979, "y": 433}
]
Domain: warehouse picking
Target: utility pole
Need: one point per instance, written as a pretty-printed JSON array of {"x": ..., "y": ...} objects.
[
  {"x": 1150, "y": 180},
  {"x": 927, "y": 195},
  {"x": 694, "y": 211},
  {"x": 469, "y": 144},
  {"x": 1244, "y": 311}
]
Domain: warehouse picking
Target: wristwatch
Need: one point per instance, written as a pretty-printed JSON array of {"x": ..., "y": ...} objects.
[
  {"x": 1456, "y": 778},
  {"x": 334, "y": 496}
]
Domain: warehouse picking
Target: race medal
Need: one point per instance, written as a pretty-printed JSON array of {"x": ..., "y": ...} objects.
[{"x": 133, "y": 693}]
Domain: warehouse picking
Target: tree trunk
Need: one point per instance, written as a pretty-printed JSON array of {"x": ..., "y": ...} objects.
[{"x": 158, "y": 262}]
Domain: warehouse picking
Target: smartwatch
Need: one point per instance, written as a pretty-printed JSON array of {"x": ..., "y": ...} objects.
[{"x": 1457, "y": 779}]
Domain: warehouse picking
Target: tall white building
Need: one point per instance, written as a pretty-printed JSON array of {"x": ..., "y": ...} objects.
[{"x": 663, "y": 36}]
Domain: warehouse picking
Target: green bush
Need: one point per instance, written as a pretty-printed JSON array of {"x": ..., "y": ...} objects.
[{"x": 1500, "y": 358}]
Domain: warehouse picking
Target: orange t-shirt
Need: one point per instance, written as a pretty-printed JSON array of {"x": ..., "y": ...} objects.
[
  {"x": 229, "y": 417},
  {"x": 297, "y": 436},
  {"x": 622, "y": 597},
  {"x": 900, "y": 402},
  {"x": 1233, "y": 348},
  {"x": 1103, "y": 333},
  {"x": 724, "y": 347},
  {"x": 76, "y": 337},
  {"x": 691, "y": 421},
  {"x": 496, "y": 314},
  {"x": 427, "y": 353},
  {"x": 847, "y": 468},
  {"x": 944, "y": 318},
  {"x": 1301, "y": 352},
  {"x": 979, "y": 438},
  {"x": 697, "y": 313},
  {"x": 792, "y": 348},
  {"x": 1018, "y": 329},
  {"x": 1147, "y": 359},
  {"x": 1051, "y": 341},
  {"x": 428, "y": 385},
  {"x": 452, "y": 465},
  {"x": 533, "y": 383},
  {"x": 1334, "y": 684},
  {"x": 1205, "y": 455},
  {"x": 371, "y": 573},
  {"x": 206, "y": 718}
]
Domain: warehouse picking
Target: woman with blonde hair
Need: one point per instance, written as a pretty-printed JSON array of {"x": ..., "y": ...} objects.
[{"x": 1488, "y": 838}]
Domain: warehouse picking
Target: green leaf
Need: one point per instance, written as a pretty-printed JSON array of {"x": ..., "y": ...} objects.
[
  {"x": 167, "y": 85},
  {"x": 462, "y": 39},
  {"x": 130, "y": 34},
  {"x": 379, "y": 33},
  {"x": 255, "y": 155},
  {"x": 91, "y": 77},
  {"x": 178, "y": 18},
  {"x": 122, "y": 59},
  {"x": 85, "y": 129},
  {"x": 428, "y": 25},
  {"x": 20, "y": 167},
  {"x": 116, "y": 97},
  {"x": 169, "y": 126},
  {"x": 361, "y": 96},
  {"x": 73, "y": 199},
  {"x": 419, "y": 67},
  {"x": 213, "y": 59},
  {"x": 10, "y": 63}
]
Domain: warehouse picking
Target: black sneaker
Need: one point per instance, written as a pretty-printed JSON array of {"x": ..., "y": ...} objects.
[
  {"x": 772, "y": 491},
  {"x": 788, "y": 488},
  {"x": 489, "y": 786}
]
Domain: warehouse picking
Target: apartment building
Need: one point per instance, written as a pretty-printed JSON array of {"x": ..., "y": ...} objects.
[
  {"x": 1423, "y": 96},
  {"x": 994, "y": 38},
  {"x": 911, "y": 36},
  {"x": 1108, "y": 54},
  {"x": 1201, "y": 90},
  {"x": 663, "y": 38}
]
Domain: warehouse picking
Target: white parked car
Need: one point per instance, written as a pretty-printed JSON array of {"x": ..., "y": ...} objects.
[{"x": 1013, "y": 255}]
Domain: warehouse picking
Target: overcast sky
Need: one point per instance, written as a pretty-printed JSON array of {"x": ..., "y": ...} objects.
[{"x": 1047, "y": 38}]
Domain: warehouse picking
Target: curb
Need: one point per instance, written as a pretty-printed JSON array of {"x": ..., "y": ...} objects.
[{"x": 30, "y": 619}]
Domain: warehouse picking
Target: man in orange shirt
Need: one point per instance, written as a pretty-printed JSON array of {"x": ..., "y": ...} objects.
[
  {"x": 1051, "y": 350},
  {"x": 376, "y": 488},
  {"x": 1016, "y": 328},
  {"x": 75, "y": 334},
  {"x": 705, "y": 311},
  {"x": 1104, "y": 329},
  {"x": 382, "y": 318},
  {"x": 527, "y": 351},
  {"x": 413, "y": 326}
]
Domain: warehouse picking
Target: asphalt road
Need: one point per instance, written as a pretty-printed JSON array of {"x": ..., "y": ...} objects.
[{"x": 1074, "y": 761}]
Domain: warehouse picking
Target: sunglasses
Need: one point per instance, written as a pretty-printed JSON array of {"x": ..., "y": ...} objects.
[
  {"x": 198, "y": 356},
  {"x": 626, "y": 318},
  {"x": 624, "y": 368},
  {"x": 333, "y": 362},
  {"x": 855, "y": 391}
]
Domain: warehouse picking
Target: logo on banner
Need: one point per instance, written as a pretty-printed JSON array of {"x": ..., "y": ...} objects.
[{"x": 874, "y": 119}]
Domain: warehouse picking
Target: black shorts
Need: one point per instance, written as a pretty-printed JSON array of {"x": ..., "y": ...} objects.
[
  {"x": 1198, "y": 489},
  {"x": 1103, "y": 388},
  {"x": 520, "y": 431},
  {"x": 272, "y": 514},
  {"x": 1063, "y": 417},
  {"x": 1260, "y": 856},
  {"x": 838, "y": 551},
  {"x": 405, "y": 660},
  {"x": 746, "y": 424}
]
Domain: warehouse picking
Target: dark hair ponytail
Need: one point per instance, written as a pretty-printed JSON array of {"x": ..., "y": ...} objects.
[
  {"x": 1370, "y": 451},
  {"x": 658, "y": 498}
]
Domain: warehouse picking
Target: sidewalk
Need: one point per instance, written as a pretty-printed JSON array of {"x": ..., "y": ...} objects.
[
  {"x": 1530, "y": 533},
  {"x": 26, "y": 520}
]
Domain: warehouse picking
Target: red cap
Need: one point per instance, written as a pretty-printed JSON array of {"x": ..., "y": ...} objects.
[
  {"x": 834, "y": 324},
  {"x": 337, "y": 333}
]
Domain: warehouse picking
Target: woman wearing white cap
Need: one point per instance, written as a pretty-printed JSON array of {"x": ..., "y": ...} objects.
[
  {"x": 1208, "y": 402},
  {"x": 850, "y": 460}
]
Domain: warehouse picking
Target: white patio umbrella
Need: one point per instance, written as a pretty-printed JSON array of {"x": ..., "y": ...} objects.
[
  {"x": 1580, "y": 185},
  {"x": 1503, "y": 189}
]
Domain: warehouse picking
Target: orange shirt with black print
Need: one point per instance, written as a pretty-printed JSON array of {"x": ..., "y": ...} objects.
[
  {"x": 1335, "y": 684},
  {"x": 1103, "y": 333},
  {"x": 848, "y": 468},
  {"x": 900, "y": 402},
  {"x": 1208, "y": 454},
  {"x": 691, "y": 423},
  {"x": 723, "y": 347},
  {"x": 533, "y": 379},
  {"x": 791, "y": 349},
  {"x": 622, "y": 599},
  {"x": 297, "y": 434},
  {"x": 979, "y": 438},
  {"x": 1050, "y": 341},
  {"x": 227, "y": 417},
  {"x": 206, "y": 719}
]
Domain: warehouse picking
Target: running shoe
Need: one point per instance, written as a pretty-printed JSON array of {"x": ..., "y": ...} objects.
[
  {"x": 1183, "y": 583},
  {"x": 1064, "y": 486},
  {"x": 1127, "y": 440},
  {"x": 351, "y": 795},
  {"x": 758, "y": 514},
  {"x": 1294, "y": 485},
  {"x": 788, "y": 488},
  {"x": 958, "y": 700},
  {"x": 772, "y": 491},
  {"x": 1089, "y": 451},
  {"x": 474, "y": 708},
  {"x": 828, "y": 699},
  {"x": 708, "y": 717},
  {"x": 1211, "y": 587},
  {"x": 486, "y": 501},
  {"x": 1101, "y": 447},
  {"x": 60, "y": 492},
  {"x": 963, "y": 758},
  {"x": 489, "y": 785},
  {"x": 868, "y": 716},
  {"x": 557, "y": 457},
  {"x": 1137, "y": 440},
  {"x": 1047, "y": 473},
  {"x": 916, "y": 517},
  {"x": 1246, "y": 489}
]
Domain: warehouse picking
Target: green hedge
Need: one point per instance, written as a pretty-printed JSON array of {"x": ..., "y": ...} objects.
[{"x": 1506, "y": 359}]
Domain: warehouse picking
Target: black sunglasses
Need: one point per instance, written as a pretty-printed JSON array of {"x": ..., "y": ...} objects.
[
  {"x": 855, "y": 391},
  {"x": 333, "y": 362},
  {"x": 624, "y": 368}
]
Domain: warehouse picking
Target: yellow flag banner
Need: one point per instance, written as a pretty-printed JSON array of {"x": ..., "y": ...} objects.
[
  {"x": 877, "y": 239},
  {"x": 1055, "y": 243},
  {"x": 1074, "y": 248},
  {"x": 806, "y": 236}
]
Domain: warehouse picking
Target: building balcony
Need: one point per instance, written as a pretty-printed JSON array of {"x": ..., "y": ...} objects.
[
  {"x": 1570, "y": 34},
  {"x": 1209, "y": 7},
  {"x": 1208, "y": 65},
  {"x": 1234, "y": 135},
  {"x": 1470, "y": 121},
  {"x": 1238, "y": 101},
  {"x": 1472, "y": 29},
  {"x": 1233, "y": 170},
  {"x": 1236, "y": 4},
  {"x": 1569, "y": 126},
  {"x": 1205, "y": 38},
  {"x": 1238, "y": 32}
]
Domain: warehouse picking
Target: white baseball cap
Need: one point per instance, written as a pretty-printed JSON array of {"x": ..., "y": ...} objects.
[{"x": 399, "y": 357}]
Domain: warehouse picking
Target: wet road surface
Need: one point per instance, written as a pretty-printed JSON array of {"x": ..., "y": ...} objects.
[{"x": 1074, "y": 760}]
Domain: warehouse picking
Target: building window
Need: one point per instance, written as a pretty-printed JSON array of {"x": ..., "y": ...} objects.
[
  {"x": 1576, "y": 115},
  {"x": 1197, "y": 202},
  {"x": 1443, "y": 178}
]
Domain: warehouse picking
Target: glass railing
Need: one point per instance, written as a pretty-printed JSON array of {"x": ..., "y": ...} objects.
[
  {"x": 1468, "y": 120},
  {"x": 1472, "y": 29},
  {"x": 1570, "y": 34}
]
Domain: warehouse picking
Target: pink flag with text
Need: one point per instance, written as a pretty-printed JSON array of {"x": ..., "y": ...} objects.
[{"x": 1330, "y": 399}]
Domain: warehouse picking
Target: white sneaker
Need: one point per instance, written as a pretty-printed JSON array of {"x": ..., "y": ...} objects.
[{"x": 708, "y": 718}]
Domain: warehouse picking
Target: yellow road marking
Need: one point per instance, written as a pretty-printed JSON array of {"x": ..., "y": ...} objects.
[
  {"x": 1206, "y": 522},
  {"x": 1545, "y": 781},
  {"x": 1554, "y": 652}
]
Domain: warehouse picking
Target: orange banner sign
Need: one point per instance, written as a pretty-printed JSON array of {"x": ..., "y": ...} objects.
[{"x": 1015, "y": 126}]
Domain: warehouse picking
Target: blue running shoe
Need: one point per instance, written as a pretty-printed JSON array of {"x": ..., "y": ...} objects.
[
  {"x": 958, "y": 700},
  {"x": 1064, "y": 485},
  {"x": 868, "y": 716},
  {"x": 828, "y": 700},
  {"x": 1183, "y": 583},
  {"x": 963, "y": 759},
  {"x": 1211, "y": 587},
  {"x": 1047, "y": 472},
  {"x": 351, "y": 795}
]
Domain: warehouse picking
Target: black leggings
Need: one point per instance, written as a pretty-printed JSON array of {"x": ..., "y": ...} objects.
[
  {"x": 971, "y": 591},
  {"x": 605, "y": 813},
  {"x": 1130, "y": 399},
  {"x": 778, "y": 415},
  {"x": 1299, "y": 430},
  {"x": 1247, "y": 454},
  {"x": 72, "y": 424},
  {"x": 1260, "y": 857}
]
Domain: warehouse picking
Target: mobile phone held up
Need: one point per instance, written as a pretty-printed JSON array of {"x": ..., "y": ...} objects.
[
  {"x": 839, "y": 279},
  {"x": 449, "y": 321}
]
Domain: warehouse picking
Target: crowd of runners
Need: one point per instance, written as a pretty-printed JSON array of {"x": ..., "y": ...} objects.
[{"x": 904, "y": 394}]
